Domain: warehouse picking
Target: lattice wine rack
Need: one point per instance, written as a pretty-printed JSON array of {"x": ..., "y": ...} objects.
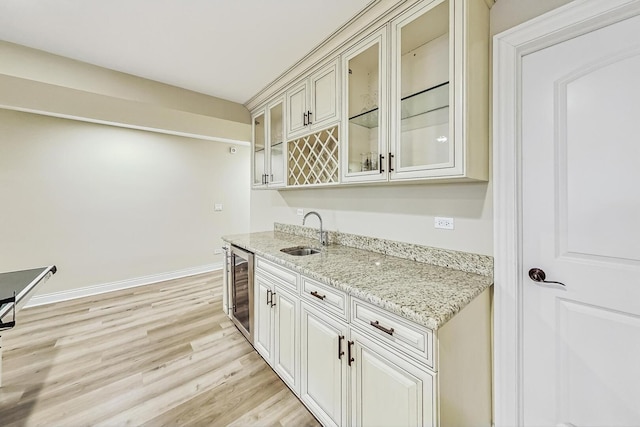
[{"x": 313, "y": 159}]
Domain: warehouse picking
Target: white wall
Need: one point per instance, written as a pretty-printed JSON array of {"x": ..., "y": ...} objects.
[
  {"x": 404, "y": 212},
  {"x": 106, "y": 204}
]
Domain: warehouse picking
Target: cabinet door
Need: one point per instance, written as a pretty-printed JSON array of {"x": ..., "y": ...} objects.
[
  {"x": 286, "y": 354},
  {"x": 422, "y": 93},
  {"x": 297, "y": 109},
  {"x": 387, "y": 390},
  {"x": 324, "y": 100},
  {"x": 364, "y": 109},
  {"x": 277, "y": 147},
  {"x": 258, "y": 158},
  {"x": 323, "y": 370},
  {"x": 263, "y": 323}
]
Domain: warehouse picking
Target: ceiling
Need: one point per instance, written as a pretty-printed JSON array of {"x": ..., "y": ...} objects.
[{"x": 226, "y": 48}]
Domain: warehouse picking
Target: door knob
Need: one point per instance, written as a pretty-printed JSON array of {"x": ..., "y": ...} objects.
[{"x": 538, "y": 275}]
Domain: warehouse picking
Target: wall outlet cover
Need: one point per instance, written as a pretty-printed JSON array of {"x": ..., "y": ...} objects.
[
  {"x": 444, "y": 223},
  {"x": 300, "y": 212},
  {"x": 217, "y": 207}
]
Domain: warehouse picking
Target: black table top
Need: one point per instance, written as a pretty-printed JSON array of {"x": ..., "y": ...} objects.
[{"x": 21, "y": 283}]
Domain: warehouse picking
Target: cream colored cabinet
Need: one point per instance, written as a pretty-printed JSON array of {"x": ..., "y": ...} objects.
[
  {"x": 286, "y": 355},
  {"x": 268, "y": 148},
  {"x": 440, "y": 91},
  {"x": 365, "y": 110},
  {"x": 386, "y": 389},
  {"x": 434, "y": 124},
  {"x": 312, "y": 104},
  {"x": 324, "y": 366},
  {"x": 276, "y": 329},
  {"x": 354, "y": 363},
  {"x": 263, "y": 315}
]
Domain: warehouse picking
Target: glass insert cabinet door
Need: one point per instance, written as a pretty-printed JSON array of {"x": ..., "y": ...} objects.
[
  {"x": 364, "y": 76},
  {"x": 422, "y": 136},
  {"x": 259, "y": 152},
  {"x": 276, "y": 147}
]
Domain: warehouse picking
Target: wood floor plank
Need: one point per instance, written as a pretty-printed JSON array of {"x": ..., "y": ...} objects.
[{"x": 161, "y": 354}]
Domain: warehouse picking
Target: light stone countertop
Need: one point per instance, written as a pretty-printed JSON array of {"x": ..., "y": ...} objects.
[{"x": 426, "y": 294}]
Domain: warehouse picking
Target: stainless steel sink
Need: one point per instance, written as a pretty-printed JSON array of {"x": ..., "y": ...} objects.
[{"x": 300, "y": 251}]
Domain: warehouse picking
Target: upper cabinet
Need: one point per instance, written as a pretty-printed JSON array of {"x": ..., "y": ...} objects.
[
  {"x": 406, "y": 101},
  {"x": 440, "y": 91},
  {"x": 365, "y": 112},
  {"x": 423, "y": 79},
  {"x": 269, "y": 149},
  {"x": 313, "y": 102}
]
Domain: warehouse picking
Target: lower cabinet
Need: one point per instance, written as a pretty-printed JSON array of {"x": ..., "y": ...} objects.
[
  {"x": 353, "y": 363},
  {"x": 324, "y": 366},
  {"x": 387, "y": 390},
  {"x": 276, "y": 330}
]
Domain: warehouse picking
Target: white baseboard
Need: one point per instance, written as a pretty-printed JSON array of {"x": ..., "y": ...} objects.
[{"x": 121, "y": 284}]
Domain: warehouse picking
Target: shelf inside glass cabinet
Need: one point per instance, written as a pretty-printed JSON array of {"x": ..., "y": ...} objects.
[
  {"x": 425, "y": 101},
  {"x": 421, "y": 109},
  {"x": 368, "y": 119}
]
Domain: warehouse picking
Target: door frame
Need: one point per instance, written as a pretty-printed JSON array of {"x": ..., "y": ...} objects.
[{"x": 509, "y": 48}]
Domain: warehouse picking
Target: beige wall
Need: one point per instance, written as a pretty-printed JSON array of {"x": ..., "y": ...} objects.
[
  {"x": 32, "y": 64},
  {"x": 106, "y": 204},
  {"x": 404, "y": 213},
  {"x": 43, "y": 83}
]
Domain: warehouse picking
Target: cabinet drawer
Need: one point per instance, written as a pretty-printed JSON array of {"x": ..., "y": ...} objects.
[
  {"x": 328, "y": 298},
  {"x": 285, "y": 277},
  {"x": 399, "y": 333}
]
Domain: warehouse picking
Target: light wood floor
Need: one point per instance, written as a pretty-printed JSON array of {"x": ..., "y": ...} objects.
[{"x": 156, "y": 355}]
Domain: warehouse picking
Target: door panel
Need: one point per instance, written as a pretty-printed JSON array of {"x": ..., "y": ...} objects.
[
  {"x": 286, "y": 339},
  {"x": 258, "y": 159},
  {"x": 263, "y": 316},
  {"x": 580, "y": 213},
  {"x": 323, "y": 95},
  {"x": 323, "y": 374},
  {"x": 296, "y": 107},
  {"x": 597, "y": 134},
  {"x": 387, "y": 391}
]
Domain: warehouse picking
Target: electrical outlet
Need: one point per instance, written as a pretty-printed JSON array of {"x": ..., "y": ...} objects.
[
  {"x": 445, "y": 223},
  {"x": 300, "y": 212},
  {"x": 217, "y": 207},
  {"x": 217, "y": 251}
]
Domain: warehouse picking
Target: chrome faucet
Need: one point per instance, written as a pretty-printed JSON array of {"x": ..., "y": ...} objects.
[{"x": 323, "y": 234}]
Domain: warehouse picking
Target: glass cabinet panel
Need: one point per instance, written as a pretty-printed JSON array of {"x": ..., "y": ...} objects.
[
  {"x": 276, "y": 138},
  {"x": 423, "y": 43},
  {"x": 259, "y": 153},
  {"x": 364, "y": 98}
]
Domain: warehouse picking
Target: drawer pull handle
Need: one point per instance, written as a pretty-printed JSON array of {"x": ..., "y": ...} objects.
[
  {"x": 377, "y": 325},
  {"x": 317, "y": 295}
]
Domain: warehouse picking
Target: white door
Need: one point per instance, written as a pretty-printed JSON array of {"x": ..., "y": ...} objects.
[
  {"x": 263, "y": 326},
  {"x": 581, "y": 226},
  {"x": 387, "y": 390},
  {"x": 296, "y": 109},
  {"x": 324, "y": 102},
  {"x": 286, "y": 342},
  {"x": 323, "y": 370}
]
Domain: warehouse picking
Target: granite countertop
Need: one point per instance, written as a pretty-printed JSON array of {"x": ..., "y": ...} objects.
[{"x": 424, "y": 293}]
